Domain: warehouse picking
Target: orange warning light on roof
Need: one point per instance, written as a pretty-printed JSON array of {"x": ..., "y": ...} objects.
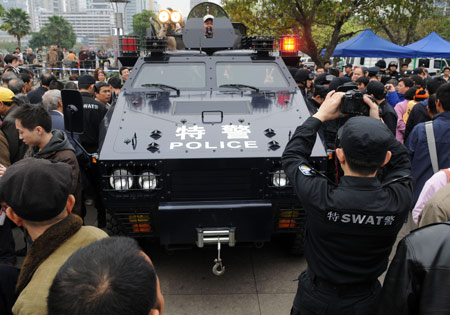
[{"x": 289, "y": 44}]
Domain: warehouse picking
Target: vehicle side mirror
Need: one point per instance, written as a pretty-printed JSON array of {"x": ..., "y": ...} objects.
[{"x": 73, "y": 110}]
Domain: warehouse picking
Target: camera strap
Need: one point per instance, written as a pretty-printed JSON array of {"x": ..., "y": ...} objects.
[{"x": 432, "y": 145}]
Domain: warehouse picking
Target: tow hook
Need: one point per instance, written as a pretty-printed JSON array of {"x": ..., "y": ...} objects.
[
  {"x": 219, "y": 236},
  {"x": 218, "y": 269}
]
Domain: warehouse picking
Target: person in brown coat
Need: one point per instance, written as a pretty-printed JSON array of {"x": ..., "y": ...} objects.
[
  {"x": 52, "y": 58},
  {"x": 8, "y": 106},
  {"x": 4, "y": 151},
  {"x": 437, "y": 209},
  {"x": 34, "y": 125}
]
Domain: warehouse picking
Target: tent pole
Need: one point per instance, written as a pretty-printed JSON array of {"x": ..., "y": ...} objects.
[{"x": 415, "y": 63}]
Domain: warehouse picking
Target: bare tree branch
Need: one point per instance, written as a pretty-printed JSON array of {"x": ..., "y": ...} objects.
[{"x": 389, "y": 33}]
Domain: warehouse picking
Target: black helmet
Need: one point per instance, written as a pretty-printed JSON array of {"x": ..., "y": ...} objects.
[{"x": 393, "y": 63}]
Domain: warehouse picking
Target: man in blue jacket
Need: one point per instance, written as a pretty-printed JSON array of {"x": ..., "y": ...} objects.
[
  {"x": 418, "y": 145},
  {"x": 393, "y": 97}
]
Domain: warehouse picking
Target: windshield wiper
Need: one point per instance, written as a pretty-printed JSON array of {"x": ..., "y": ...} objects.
[
  {"x": 239, "y": 86},
  {"x": 161, "y": 86}
]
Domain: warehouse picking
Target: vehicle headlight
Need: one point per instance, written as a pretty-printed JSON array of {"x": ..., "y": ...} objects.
[
  {"x": 164, "y": 16},
  {"x": 147, "y": 180},
  {"x": 279, "y": 179},
  {"x": 176, "y": 16},
  {"x": 121, "y": 179}
]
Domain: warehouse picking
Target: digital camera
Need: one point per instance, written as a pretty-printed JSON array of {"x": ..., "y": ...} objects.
[{"x": 353, "y": 104}]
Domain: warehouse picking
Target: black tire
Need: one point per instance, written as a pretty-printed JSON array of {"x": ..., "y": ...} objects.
[
  {"x": 298, "y": 242},
  {"x": 112, "y": 225}
]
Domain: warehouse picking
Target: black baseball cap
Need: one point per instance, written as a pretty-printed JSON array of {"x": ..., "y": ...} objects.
[
  {"x": 324, "y": 78},
  {"x": 365, "y": 139},
  {"x": 337, "y": 82},
  {"x": 376, "y": 88},
  {"x": 303, "y": 75},
  {"x": 418, "y": 71},
  {"x": 348, "y": 65},
  {"x": 381, "y": 64},
  {"x": 86, "y": 79},
  {"x": 373, "y": 70}
]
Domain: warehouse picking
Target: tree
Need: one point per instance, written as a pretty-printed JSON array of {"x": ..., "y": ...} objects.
[
  {"x": 9, "y": 46},
  {"x": 16, "y": 22},
  {"x": 141, "y": 22},
  {"x": 38, "y": 40},
  {"x": 401, "y": 20},
  {"x": 311, "y": 18},
  {"x": 60, "y": 32},
  {"x": 57, "y": 32}
]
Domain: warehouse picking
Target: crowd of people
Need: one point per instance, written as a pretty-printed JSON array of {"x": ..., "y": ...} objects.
[
  {"x": 391, "y": 165},
  {"x": 32, "y": 131},
  {"x": 55, "y": 60}
]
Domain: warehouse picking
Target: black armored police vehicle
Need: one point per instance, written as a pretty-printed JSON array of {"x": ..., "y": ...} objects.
[{"x": 191, "y": 150}]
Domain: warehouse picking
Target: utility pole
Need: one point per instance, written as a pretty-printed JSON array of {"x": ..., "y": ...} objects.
[{"x": 118, "y": 30}]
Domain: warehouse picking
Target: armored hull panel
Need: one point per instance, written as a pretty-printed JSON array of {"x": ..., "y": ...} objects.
[{"x": 194, "y": 142}]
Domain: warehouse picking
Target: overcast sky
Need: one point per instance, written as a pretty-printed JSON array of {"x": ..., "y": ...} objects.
[{"x": 181, "y": 5}]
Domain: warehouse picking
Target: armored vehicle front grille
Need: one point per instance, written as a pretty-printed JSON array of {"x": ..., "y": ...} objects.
[
  {"x": 216, "y": 184},
  {"x": 135, "y": 222},
  {"x": 290, "y": 217}
]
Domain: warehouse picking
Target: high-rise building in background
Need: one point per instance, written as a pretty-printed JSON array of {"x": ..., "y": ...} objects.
[
  {"x": 92, "y": 20},
  {"x": 151, "y": 5},
  {"x": 443, "y": 6},
  {"x": 13, "y": 4},
  {"x": 133, "y": 7},
  {"x": 72, "y": 6},
  {"x": 98, "y": 4},
  {"x": 92, "y": 27}
]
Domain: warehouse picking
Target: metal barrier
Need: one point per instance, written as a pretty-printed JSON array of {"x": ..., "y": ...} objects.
[{"x": 38, "y": 69}]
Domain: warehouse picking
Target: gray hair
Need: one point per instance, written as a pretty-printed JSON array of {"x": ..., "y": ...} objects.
[
  {"x": 8, "y": 76},
  {"x": 16, "y": 85},
  {"x": 51, "y": 99}
]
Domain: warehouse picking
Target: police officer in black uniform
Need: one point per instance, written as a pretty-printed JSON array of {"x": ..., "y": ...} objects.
[
  {"x": 351, "y": 226},
  {"x": 304, "y": 79},
  {"x": 393, "y": 71},
  {"x": 93, "y": 113}
]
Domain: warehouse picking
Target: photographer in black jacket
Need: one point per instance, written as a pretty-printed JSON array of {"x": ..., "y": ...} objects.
[
  {"x": 352, "y": 226},
  {"x": 388, "y": 114}
]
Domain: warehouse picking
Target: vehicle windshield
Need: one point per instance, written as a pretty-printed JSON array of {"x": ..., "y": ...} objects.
[
  {"x": 180, "y": 76},
  {"x": 260, "y": 75}
]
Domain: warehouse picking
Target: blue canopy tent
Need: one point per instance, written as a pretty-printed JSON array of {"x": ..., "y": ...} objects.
[
  {"x": 432, "y": 45},
  {"x": 368, "y": 44}
]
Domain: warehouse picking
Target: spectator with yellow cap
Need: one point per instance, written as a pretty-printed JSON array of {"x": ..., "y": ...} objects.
[{"x": 8, "y": 106}]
